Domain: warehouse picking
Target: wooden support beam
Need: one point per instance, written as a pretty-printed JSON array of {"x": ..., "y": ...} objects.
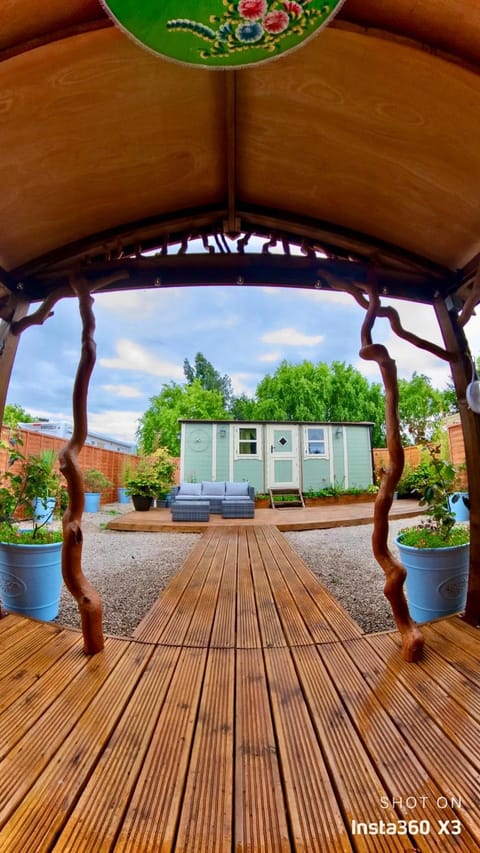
[
  {"x": 461, "y": 368},
  {"x": 10, "y": 344}
]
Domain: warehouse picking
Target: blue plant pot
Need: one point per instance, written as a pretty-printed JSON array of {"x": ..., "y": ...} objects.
[
  {"x": 31, "y": 579},
  {"x": 458, "y": 504},
  {"x": 437, "y": 580},
  {"x": 92, "y": 501},
  {"x": 43, "y": 510},
  {"x": 123, "y": 496}
]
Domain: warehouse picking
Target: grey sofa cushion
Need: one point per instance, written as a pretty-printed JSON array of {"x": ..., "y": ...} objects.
[{"x": 236, "y": 490}]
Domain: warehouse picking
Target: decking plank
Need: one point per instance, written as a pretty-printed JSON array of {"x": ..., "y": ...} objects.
[
  {"x": 324, "y": 618},
  {"x": 153, "y": 624},
  {"x": 248, "y": 631},
  {"x": 20, "y": 715},
  {"x": 25, "y": 762},
  {"x": 17, "y": 682},
  {"x": 295, "y": 630},
  {"x": 206, "y": 818},
  {"x": 45, "y": 807},
  {"x": 260, "y": 819},
  {"x": 224, "y": 622},
  {"x": 386, "y": 736},
  {"x": 356, "y": 780},
  {"x": 151, "y": 819},
  {"x": 270, "y": 626},
  {"x": 315, "y": 818},
  {"x": 203, "y": 608},
  {"x": 335, "y": 615},
  {"x": 98, "y": 815},
  {"x": 424, "y": 736}
]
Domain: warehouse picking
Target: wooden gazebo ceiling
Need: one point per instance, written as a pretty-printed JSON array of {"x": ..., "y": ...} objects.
[{"x": 365, "y": 142}]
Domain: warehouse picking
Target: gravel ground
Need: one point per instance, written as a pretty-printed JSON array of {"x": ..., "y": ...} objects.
[
  {"x": 130, "y": 570},
  {"x": 343, "y": 561}
]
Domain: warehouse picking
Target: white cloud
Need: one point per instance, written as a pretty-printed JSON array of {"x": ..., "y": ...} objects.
[
  {"x": 115, "y": 424},
  {"x": 291, "y": 337},
  {"x": 132, "y": 356},
  {"x": 125, "y": 391},
  {"x": 244, "y": 383},
  {"x": 270, "y": 356}
]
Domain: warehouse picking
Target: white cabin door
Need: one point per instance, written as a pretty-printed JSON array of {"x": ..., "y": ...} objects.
[{"x": 282, "y": 455}]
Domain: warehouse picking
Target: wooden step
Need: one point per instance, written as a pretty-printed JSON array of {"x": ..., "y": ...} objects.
[{"x": 286, "y": 498}]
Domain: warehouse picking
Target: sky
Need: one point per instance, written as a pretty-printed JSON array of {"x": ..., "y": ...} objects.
[{"x": 144, "y": 336}]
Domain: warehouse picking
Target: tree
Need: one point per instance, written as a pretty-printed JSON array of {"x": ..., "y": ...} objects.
[
  {"x": 210, "y": 379},
  {"x": 159, "y": 425},
  {"x": 14, "y": 415},
  {"x": 308, "y": 392},
  {"x": 420, "y": 406}
]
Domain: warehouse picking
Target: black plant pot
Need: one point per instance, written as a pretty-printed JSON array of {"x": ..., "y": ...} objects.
[{"x": 141, "y": 502}]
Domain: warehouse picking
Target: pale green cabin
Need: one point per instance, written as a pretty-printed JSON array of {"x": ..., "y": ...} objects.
[{"x": 275, "y": 455}]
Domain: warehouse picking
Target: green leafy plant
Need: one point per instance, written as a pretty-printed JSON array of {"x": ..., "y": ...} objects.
[
  {"x": 25, "y": 479},
  {"x": 153, "y": 476},
  {"x": 440, "y": 530},
  {"x": 95, "y": 481}
]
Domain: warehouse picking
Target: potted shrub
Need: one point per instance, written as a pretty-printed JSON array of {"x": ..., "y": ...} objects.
[
  {"x": 151, "y": 479},
  {"x": 435, "y": 553},
  {"x": 30, "y": 559},
  {"x": 94, "y": 482},
  {"x": 42, "y": 484}
]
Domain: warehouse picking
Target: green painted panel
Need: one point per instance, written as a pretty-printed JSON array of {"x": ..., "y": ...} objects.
[
  {"x": 359, "y": 457},
  {"x": 250, "y": 470},
  {"x": 197, "y": 452},
  {"x": 283, "y": 470},
  {"x": 316, "y": 474},
  {"x": 338, "y": 458},
  {"x": 223, "y": 452}
]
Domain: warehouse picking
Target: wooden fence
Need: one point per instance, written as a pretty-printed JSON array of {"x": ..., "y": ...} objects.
[{"x": 110, "y": 462}]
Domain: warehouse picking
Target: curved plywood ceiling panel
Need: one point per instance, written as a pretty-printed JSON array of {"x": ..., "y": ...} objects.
[
  {"x": 389, "y": 155},
  {"x": 370, "y": 130}
]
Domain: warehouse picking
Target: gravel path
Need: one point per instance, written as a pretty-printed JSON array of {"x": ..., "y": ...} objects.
[{"x": 130, "y": 570}]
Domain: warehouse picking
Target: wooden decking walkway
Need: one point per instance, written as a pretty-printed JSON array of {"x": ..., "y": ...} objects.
[{"x": 248, "y": 713}]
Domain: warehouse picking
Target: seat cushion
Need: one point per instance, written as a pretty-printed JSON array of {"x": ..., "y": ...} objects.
[{"x": 236, "y": 489}]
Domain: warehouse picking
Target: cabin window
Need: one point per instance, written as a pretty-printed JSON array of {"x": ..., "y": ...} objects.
[
  {"x": 316, "y": 441},
  {"x": 248, "y": 442}
]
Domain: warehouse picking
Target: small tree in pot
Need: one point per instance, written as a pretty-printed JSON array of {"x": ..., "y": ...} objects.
[
  {"x": 94, "y": 482},
  {"x": 152, "y": 478},
  {"x": 435, "y": 553}
]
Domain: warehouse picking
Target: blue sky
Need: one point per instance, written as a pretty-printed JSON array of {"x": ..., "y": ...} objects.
[{"x": 143, "y": 338}]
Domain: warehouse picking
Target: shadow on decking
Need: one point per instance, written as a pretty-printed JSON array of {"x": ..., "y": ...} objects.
[{"x": 248, "y": 712}]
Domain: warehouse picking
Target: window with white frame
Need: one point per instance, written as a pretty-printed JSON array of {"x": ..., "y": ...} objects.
[
  {"x": 315, "y": 441},
  {"x": 248, "y": 441}
]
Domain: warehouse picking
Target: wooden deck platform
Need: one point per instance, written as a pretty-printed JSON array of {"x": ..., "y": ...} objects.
[
  {"x": 248, "y": 713},
  {"x": 304, "y": 518}
]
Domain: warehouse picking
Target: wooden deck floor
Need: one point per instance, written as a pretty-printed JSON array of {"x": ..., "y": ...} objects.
[
  {"x": 248, "y": 713},
  {"x": 305, "y": 518}
]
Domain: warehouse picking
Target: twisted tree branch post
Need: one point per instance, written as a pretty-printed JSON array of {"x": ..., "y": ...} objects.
[
  {"x": 89, "y": 601},
  {"x": 412, "y": 637}
]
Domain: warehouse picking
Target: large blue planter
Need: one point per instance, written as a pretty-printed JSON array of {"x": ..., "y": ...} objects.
[
  {"x": 92, "y": 501},
  {"x": 437, "y": 580},
  {"x": 31, "y": 579}
]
